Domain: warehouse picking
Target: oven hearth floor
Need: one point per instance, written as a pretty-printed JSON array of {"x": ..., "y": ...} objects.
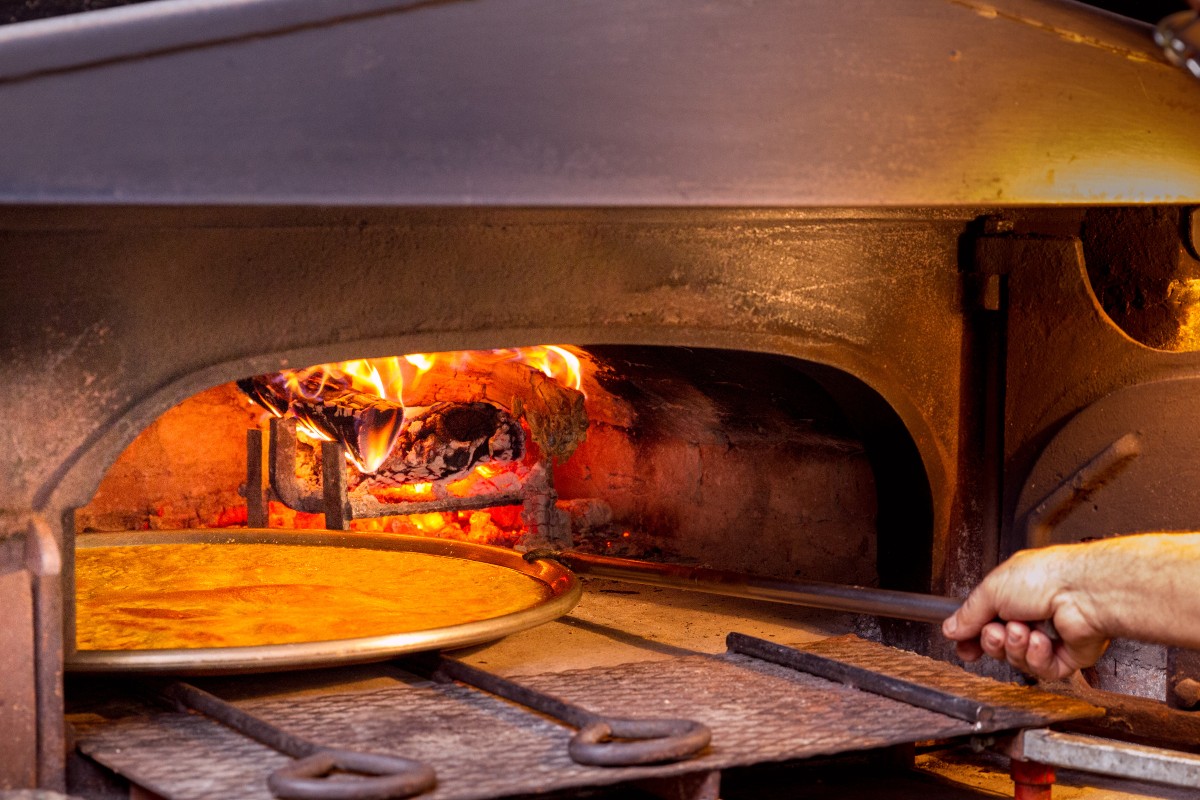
[{"x": 614, "y": 625}]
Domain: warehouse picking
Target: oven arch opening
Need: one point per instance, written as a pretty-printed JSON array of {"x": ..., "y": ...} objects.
[{"x": 837, "y": 489}]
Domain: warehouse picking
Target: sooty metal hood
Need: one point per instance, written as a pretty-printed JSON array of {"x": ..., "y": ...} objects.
[{"x": 594, "y": 102}]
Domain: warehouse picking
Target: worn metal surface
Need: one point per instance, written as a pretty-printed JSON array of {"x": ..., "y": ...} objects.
[
  {"x": 45, "y": 564},
  {"x": 1148, "y": 486},
  {"x": 869, "y": 299},
  {"x": 1067, "y": 360},
  {"x": 380, "y": 776},
  {"x": 1078, "y": 487},
  {"x": 485, "y": 747},
  {"x": 605, "y": 102},
  {"x": 1109, "y": 757},
  {"x": 916, "y": 694},
  {"x": 644, "y": 740},
  {"x": 18, "y": 689},
  {"x": 31, "y": 692},
  {"x": 1149, "y": 721},
  {"x": 1013, "y": 706},
  {"x": 565, "y": 591}
]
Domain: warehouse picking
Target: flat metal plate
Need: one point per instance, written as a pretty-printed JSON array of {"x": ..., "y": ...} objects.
[
  {"x": 564, "y": 587},
  {"x": 481, "y": 746},
  {"x": 1015, "y": 706}
]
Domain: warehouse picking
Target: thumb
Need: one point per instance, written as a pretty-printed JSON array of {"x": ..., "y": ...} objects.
[{"x": 976, "y": 611}]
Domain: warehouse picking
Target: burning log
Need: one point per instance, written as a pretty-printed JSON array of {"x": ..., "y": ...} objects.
[
  {"x": 438, "y": 443},
  {"x": 366, "y": 424},
  {"x": 446, "y": 441},
  {"x": 555, "y": 414},
  {"x": 470, "y": 412}
]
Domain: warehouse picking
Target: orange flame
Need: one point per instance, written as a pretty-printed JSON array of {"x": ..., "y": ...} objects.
[{"x": 388, "y": 378}]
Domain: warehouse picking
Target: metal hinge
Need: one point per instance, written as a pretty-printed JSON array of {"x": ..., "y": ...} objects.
[{"x": 985, "y": 283}]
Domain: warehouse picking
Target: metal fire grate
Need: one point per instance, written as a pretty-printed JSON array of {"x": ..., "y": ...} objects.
[{"x": 485, "y": 747}]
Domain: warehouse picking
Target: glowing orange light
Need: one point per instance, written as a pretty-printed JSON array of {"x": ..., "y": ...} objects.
[
  {"x": 428, "y": 523},
  {"x": 388, "y": 378}
]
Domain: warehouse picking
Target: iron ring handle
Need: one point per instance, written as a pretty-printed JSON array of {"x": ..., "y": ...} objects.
[
  {"x": 652, "y": 741},
  {"x": 388, "y": 777}
]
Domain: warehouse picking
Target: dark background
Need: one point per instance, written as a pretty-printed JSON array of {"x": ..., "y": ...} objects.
[
  {"x": 1146, "y": 10},
  {"x": 21, "y": 10}
]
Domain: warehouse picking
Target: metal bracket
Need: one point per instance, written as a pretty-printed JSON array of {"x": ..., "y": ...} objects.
[
  {"x": 281, "y": 469},
  {"x": 1076, "y": 488},
  {"x": 31, "y": 655},
  {"x": 1107, "y": 757},
  {"x": 340, "y": 506}
]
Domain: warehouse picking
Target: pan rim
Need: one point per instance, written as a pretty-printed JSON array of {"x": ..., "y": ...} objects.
[{"x": 565, "y": 592}]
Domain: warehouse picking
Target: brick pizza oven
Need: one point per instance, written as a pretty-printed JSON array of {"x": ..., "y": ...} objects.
[{"x": 946, "y": 249}]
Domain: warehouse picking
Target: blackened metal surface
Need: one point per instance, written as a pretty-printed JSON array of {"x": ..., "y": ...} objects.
[
  {"x": 257, "y": 515},
  {"x": 484, "y": 747},
  {"x": 184, "y": 697},
  {"x": 333, "y": 486},
  {"x": 1076, "y": 384},
  {"x": 605, "y": 102},
  {"x": 45, "y": 563}
]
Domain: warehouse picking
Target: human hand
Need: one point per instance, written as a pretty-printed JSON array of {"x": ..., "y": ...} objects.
[{"x": 1032, "y": 585}]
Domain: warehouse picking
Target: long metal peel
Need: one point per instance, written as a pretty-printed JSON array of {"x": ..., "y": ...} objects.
[{"x": 814, "y": 594}]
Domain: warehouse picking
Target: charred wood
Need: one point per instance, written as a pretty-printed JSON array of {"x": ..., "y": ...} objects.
[
  {"x": 443, "y": 441},
  {"x": 448, "y": 440},
  {"x": 261, "y": 390},
  {"x": 555, "y": 414},
  {"x": 366, "y": 424}
]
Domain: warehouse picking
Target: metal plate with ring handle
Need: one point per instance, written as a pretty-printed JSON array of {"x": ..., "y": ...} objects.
[
  {"x": 600, "y": 741},
  {"x": 381, "y": 777}
]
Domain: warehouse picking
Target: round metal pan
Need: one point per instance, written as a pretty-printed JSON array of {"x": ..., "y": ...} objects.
[{"x": 565, "y": 591}]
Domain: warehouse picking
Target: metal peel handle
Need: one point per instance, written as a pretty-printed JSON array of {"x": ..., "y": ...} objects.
[{"x": 814, "y": 594}]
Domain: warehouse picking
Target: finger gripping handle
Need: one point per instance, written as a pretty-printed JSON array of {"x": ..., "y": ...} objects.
[
  {"x": 647, "y": 741},
  {"x": 1046, "y": 626},
  {"x": 387, "y": 777}
]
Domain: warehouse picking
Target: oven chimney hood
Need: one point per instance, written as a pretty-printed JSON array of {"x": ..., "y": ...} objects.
[{"x": 594, "y": 103}]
